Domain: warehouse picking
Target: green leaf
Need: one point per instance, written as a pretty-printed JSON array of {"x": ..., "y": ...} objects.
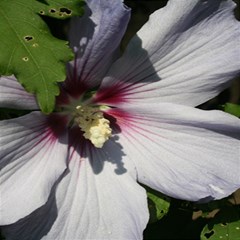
[
  {"x": 61, "y": 9},
  {"x": 225, "y": 225},
  {"x": 158, "y": 205},
  {"x": 233, "y": 109},
  {"x": 30, "y": 52}
]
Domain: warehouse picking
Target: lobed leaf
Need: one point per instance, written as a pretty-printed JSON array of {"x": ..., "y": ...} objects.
[
  {"x": 30, "y": 52},
  {"x": 158, "y": 205},
  {"x": 61, "y": 9},
  {"x": 225, "y": 225},
  {"x": 232, "y": 108}
]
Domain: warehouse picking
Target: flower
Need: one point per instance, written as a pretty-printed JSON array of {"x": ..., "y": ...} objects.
[{"x": 122, "y": 120}]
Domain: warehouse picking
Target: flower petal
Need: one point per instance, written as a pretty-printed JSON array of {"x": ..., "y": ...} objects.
[
  {"x": 107, "y": 205},
  {"x": 186, "y": 54},
  {"x": 96, "y": 37},
  {"x": 181, "y": 151},
  {"x": 13, "y": 95},
  {"x": 33, "y": 156}
]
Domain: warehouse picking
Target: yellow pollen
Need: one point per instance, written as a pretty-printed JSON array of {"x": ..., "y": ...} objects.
[{"x": 92, "y": 122}]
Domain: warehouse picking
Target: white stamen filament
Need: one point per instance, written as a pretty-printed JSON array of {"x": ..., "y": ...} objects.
[{"x": 92, "y": 122}]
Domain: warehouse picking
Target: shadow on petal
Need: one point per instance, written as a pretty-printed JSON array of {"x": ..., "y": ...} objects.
[
  {"x": 112, "y": 151},
  {"x": 38, "y": 223}
]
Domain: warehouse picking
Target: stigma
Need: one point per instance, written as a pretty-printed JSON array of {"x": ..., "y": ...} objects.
[{"x": 91, "y": 121}]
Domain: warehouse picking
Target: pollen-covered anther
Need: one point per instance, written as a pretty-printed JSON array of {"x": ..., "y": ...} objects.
[{"x": 92, "y": 122}]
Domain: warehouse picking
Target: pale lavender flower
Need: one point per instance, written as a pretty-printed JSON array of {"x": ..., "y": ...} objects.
[{"x": 65, "y": 178}]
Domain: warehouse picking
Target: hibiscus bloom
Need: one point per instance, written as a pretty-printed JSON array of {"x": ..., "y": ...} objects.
[{"x": 122, "y": 120}]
